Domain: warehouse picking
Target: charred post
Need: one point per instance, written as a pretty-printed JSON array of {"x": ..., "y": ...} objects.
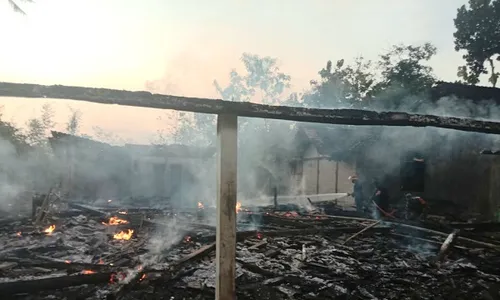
[{"x": 227, "y": 128}]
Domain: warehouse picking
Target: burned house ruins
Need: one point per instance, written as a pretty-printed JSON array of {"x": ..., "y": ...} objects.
[{"x": 73, "y": 250}]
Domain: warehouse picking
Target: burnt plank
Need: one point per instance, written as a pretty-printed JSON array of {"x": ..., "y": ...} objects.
[
  {"x": 244, "y": 109},
  {"x": 52, "y": 283}
]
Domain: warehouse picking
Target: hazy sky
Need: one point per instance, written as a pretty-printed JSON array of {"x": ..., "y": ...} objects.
[{"x": 182, "y": 46}]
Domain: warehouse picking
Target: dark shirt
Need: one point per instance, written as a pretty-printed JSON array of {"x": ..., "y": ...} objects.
[
  {"x": 415, "y": 205},
  {"x": 357, "y": 190},
  {"x": 381, "y": 198}
]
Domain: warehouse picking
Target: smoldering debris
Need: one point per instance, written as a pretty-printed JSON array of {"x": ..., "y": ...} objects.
[{"x": 116, "y": 253}]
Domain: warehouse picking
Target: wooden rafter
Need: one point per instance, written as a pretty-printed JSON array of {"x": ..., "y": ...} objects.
[{"x": 245, "y": 109}]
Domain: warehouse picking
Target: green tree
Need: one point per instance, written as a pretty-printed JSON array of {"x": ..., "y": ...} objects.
[
  {"x": 73, "y": 123},
  {"x": 262, "y": 82},
  {"x": 342, "y": 85},
  {"x": 477, "y": 33},
  {"x": 259, "y": 140},
  {"x": 406, "y": 67},
  {"x": 39, "y": 128},
  {"x": 14, "y": 135}
]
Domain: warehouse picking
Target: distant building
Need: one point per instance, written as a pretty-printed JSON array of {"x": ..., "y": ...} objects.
[
  {"x": 324, "y": 158},
  {"x": 95, "y": 170},
  {"x": 169, "y": 170}
]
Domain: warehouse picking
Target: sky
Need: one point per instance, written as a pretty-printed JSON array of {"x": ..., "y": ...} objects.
[{"x": 180, "y": 47}]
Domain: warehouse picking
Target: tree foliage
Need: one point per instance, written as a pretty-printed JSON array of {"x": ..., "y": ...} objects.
[
  {"x": 478, "y": 34},
  {"x": 39, "y": 128},
  {"x": 73, "y": 123},
  {"x": 262, "y": 81},
  {"x": 404, "y": 68},
  {"x": 14, "y": 135},
  {"x": 342, "y": 85}
]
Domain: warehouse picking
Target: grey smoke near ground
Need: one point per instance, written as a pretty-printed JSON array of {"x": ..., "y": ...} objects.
[
  {"x": 21, "y": 174},
  {"x": 265, "y": 147}
]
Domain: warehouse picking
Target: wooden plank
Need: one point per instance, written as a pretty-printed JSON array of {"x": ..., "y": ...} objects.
[
  {"x": 52, "y": 283},
  {"x": 244, "y": 109},
  {"x": 227, "y": 128}
]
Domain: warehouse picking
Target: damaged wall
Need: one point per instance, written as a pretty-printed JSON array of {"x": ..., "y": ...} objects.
[
  {"x": 94, "y": 170},
  {"x": 457, "y": 177},
  {"x": 322, "y": 175}
]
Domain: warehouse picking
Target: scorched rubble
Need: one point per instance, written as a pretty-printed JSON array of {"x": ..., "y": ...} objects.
[{"x": 286, "y": 255}]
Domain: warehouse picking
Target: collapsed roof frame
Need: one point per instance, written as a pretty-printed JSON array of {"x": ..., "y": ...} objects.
[{"x": 227, "y": 127}]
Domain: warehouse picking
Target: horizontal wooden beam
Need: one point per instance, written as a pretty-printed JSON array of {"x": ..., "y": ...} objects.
[{"x": 244, "y": 109}]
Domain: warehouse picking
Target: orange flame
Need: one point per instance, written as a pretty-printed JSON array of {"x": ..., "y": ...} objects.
[
  {"x": 18, "y": 233},
  {"x": 87, "y": 272},
  {"x": 142, "y": 277},
  {"x": 50, "y": 229},
  {"x": 200, "y": 205},
  {"x": 115, "y": 221},
  {"x": 238, "y": 207},
  {"x": 122, "y": 235},
  {"x": 67, "y": 261}
]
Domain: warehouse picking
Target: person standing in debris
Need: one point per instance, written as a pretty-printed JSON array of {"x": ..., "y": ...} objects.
[
  {"x": 357, "y": 193},
  {"x": 416, "y": 207},
  {"x": 380, "y": 199}
]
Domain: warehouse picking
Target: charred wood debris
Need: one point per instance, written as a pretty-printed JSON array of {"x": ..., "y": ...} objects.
[{"x": 65, "y": 250}]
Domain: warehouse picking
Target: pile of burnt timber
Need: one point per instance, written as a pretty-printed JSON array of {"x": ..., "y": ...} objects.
[{"x": 151, "y": 254}]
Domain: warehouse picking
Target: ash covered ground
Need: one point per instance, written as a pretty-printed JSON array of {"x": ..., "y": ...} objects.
[{"x": 101, "y": 253}]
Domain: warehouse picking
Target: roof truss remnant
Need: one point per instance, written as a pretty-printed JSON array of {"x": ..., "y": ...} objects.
[{"x": 244, "y": 109}]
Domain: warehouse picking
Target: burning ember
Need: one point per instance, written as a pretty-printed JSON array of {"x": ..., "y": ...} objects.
[
  {"x": 115, "y": 221},
  {"x": 122, "y": 235},
  {"x": 117, "y": 277},
  {"x": 67, "y": 261},
  {"x": 87, "y": 272},
  {"x": 200, "y": 205},
  {"x": 142, "y": 277},
  {"x": 238, "y": 207},
  {"x": 18, "y": 233},
  {"x": 187, "y": 239},
  {"x": 49, "y": 230}
]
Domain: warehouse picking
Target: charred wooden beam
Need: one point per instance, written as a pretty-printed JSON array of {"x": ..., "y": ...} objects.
[
  {"x": 242, "y": 235},
  {"x": 244, "y": 109},
  {"x": 362, "y": 230},
  {"x": 89, "y": 209},
  {"x": 480, "y": 227},
  {"x": 52, "y": 283},
  {"x": 196, "y": 254}
]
